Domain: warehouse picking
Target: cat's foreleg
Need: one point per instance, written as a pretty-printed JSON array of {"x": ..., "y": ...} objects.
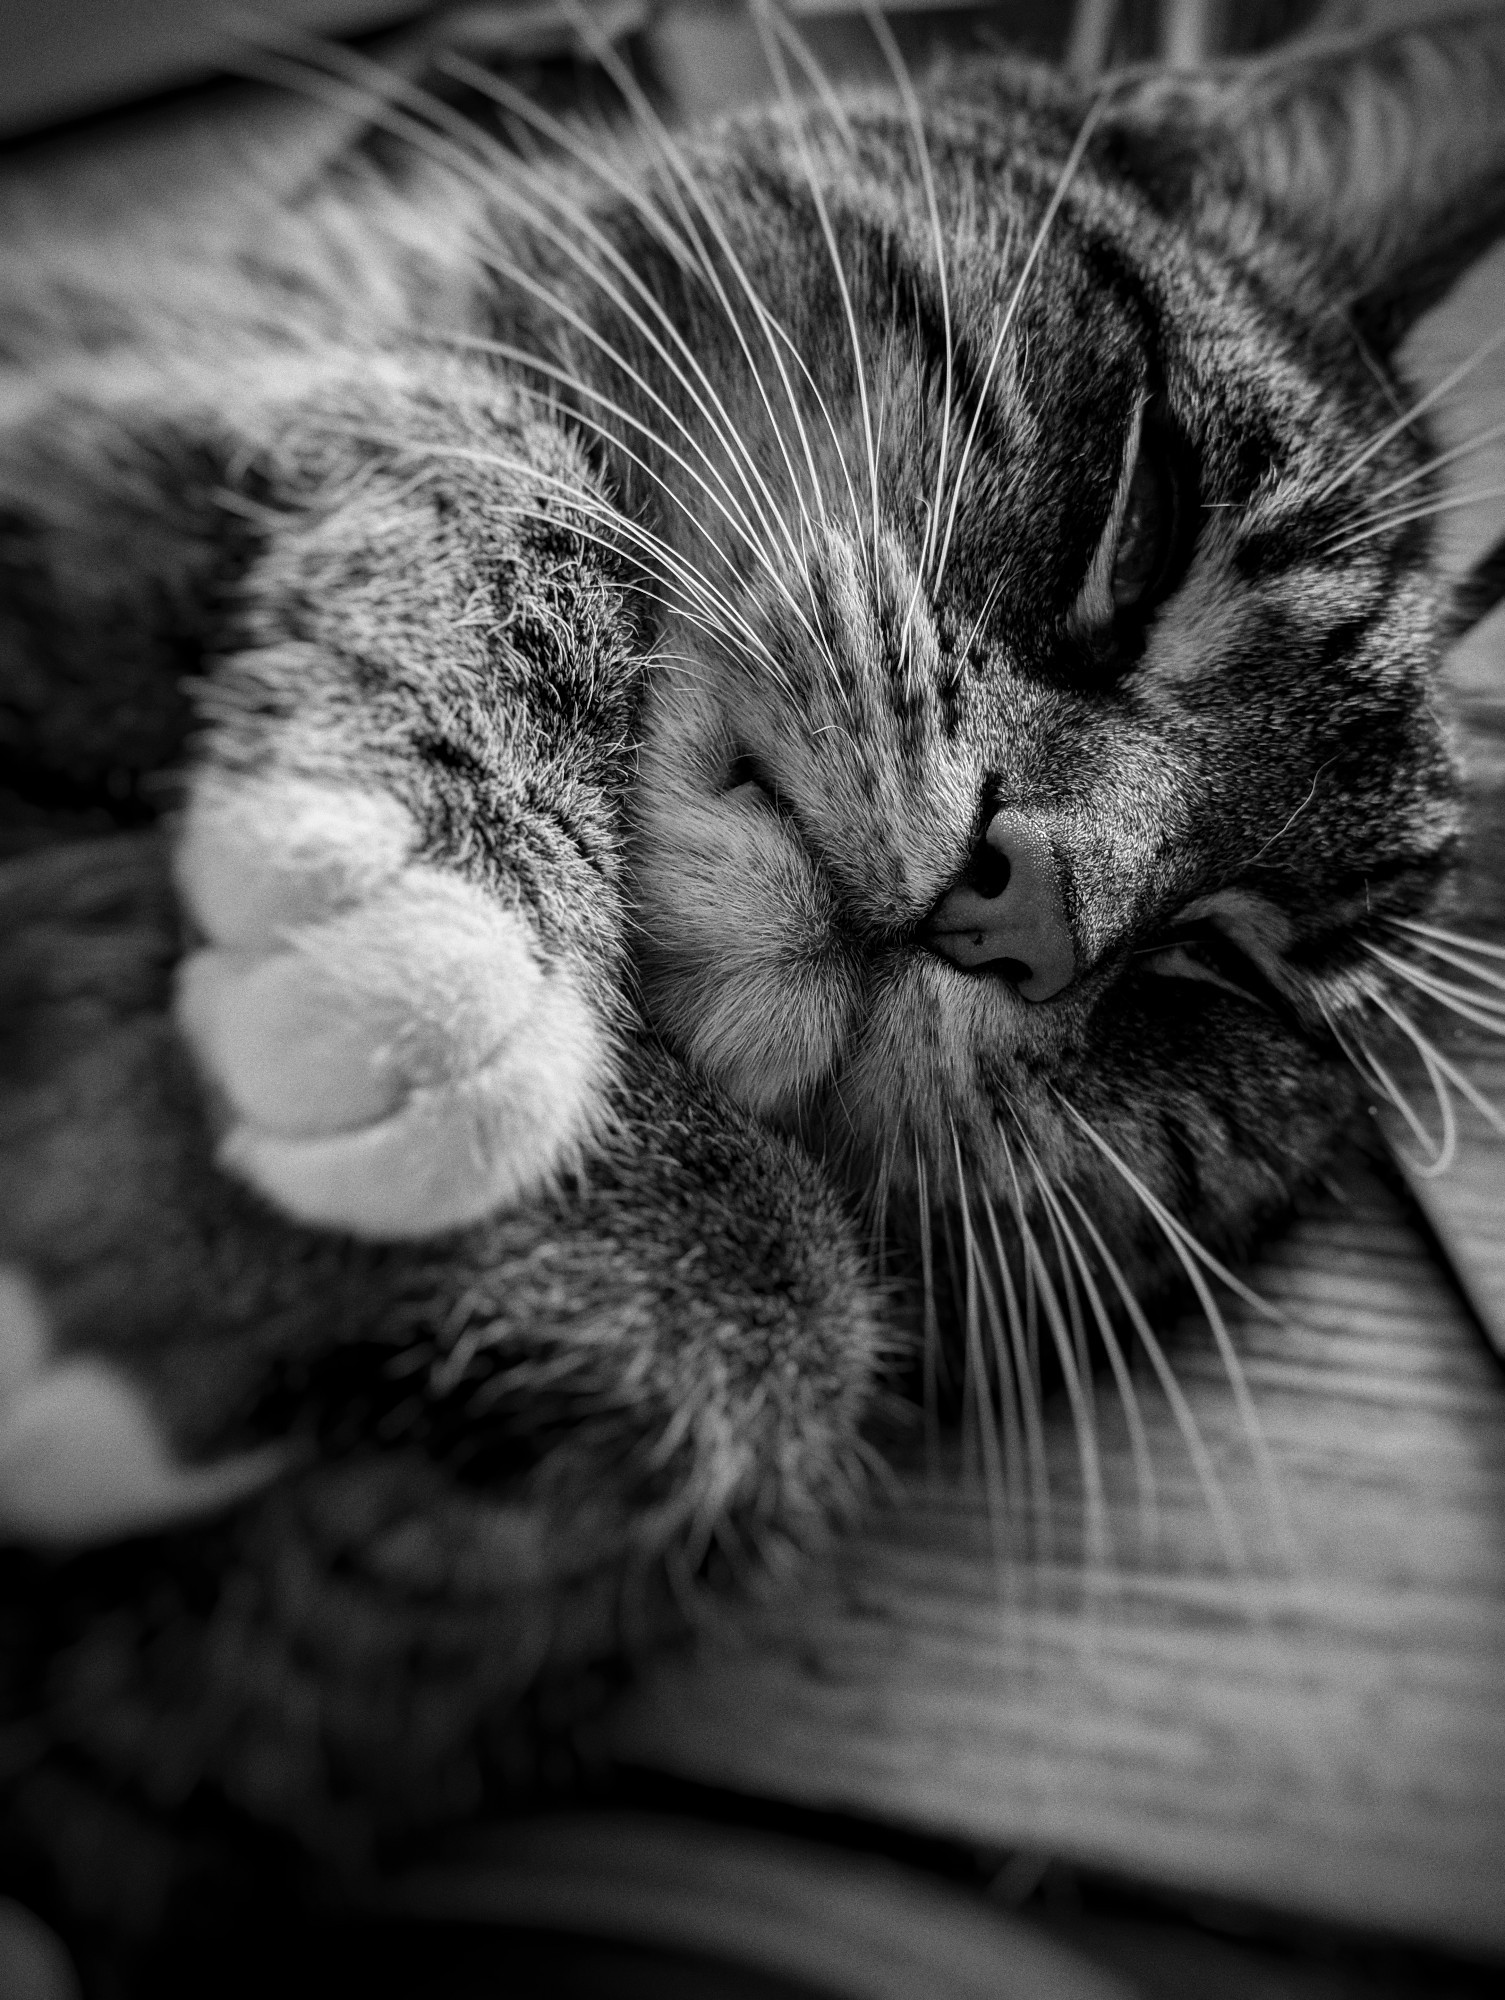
[{"x": 401, "y": 842}]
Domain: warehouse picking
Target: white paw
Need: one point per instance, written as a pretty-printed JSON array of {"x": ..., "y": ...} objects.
[
  {"x": 83, "y": 1457},
  {"x": 395, "y": 1060}
]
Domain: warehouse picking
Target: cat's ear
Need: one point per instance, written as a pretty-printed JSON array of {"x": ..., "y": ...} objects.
[{"x": 1383, "y": 157}]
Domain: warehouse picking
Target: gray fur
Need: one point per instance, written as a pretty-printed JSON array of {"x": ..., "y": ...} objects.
[
  {"x": 318, "y": 485},
  {"x": 509, "y": 1451}
]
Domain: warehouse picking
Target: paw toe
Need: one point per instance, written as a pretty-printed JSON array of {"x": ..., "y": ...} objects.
[
  {"x": 259, "y": 854},
  {"x": 400, "y": 1068},
  {"x": 283, "y": 1042}
]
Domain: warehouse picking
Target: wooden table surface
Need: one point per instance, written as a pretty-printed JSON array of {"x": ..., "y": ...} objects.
[{"x": 1317, "y": 1729}]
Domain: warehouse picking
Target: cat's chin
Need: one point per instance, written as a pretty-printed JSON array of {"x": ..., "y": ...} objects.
[{"x": 1151, "y": 1113}]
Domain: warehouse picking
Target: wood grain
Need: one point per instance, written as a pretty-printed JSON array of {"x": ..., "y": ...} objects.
[{"x": 1322, "y": 1733}]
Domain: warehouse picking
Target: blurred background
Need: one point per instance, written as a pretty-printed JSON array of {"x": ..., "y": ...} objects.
[{"x": 62, "y": 60}]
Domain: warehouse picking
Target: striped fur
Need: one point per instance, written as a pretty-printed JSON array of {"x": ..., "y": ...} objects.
[{"x": 617, "y": 594}]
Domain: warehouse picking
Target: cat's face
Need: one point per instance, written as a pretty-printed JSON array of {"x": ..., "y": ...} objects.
[{"x": 1031, "y": 752}]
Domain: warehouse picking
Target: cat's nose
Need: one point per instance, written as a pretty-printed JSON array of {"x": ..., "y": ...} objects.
[{"x": 1007, "y": 912}]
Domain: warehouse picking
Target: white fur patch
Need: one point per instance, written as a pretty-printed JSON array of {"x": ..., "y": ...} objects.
[
  {"x": 258, "y": 854},
  {"x": 82, "y": 1457},
  {"x": 395, "y": 1060}
]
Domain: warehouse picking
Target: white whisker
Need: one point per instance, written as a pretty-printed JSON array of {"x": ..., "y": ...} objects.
[
  {"x": 1437, "y": 1066},
  {"x": 1401, "y": 517},
  {"x": 1460, "y": 962},
  {"x": 1441, "y": 1150},
  {"x": 884, "y": 36},
  {"x": 774, "y": 334},
  {"x": 879, "y": 1197},
  {"x": 825, "y": 411},
  {"x": 953, "y": 1269},
  {"x": 1193, "y": 1247},
  {"x": 1419, "y": 408},
  {"x": 717, "y": 419},
  {"x": 931, "y": 1322},
  {"x": 728, "y": 508},
  {"x": 1369, "y": 1066},
  {"x": 464, "y": 157},
  {"x": 1474, "y": 1007},
  {"x": 674, "y": 159},
  {"x": 1026, "y": 1374},
  {"x": 1454, "y": 938},
  {"x": 1009, "y": 1404},
  {"x": 755, "y": 547},
  {"x": 987, "y": 605},
  {"x": 1139, "y": 1444},
  {"x": 682, "y": 601},
  {"x": 542, "y": 123},
  {"x": 730, "y": 442},
  {"x": 721, "y": 424},
  {"x": 977, "y": 1369},
  {"x": 1191, "y": 1256},
  {"x": 1068, "y": 1283},
  {"x": 1083, "y": 1426},
  {"x": 621, "y": 527},
  {"x": 1291, "y": 820},
  {"x": 1181, "y": 1410},
  {"x": 769, "y": 24},
  {"x": 1063, "y": 182},
  {"x": 1437, "y": 461}
]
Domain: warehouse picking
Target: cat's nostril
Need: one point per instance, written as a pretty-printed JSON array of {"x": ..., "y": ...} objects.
[
  {"x": 746, "y": 769},
  {"x": 1007, "y": 915},
  {"x": 988, "y": 871}
]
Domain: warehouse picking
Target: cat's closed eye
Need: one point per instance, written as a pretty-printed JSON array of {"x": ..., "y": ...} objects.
[
  {"x": 1148, "y": 540},
  {"x": 1150, "y": 550}
]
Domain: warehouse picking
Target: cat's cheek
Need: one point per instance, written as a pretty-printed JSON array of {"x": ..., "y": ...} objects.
[
  {"x": 774, "y": 1031},
  {"x": 746, "y": 972}
]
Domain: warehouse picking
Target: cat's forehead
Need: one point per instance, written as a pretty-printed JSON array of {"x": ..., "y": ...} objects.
[
  {"x": 1000, "y": 227},
  {"x": 990, "y": 316}
]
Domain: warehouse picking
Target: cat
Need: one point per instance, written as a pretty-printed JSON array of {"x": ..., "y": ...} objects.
[{"x": 657, "y": 784}]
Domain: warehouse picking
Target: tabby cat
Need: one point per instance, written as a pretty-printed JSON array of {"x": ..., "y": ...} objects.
[{"x": 708, "y": 764}]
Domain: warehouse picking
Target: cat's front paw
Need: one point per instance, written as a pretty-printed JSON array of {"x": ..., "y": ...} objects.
[{"x": 394, "y": 1058}]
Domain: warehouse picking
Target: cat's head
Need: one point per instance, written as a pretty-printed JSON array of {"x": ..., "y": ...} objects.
[{"x": 1045, "y": 729}]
